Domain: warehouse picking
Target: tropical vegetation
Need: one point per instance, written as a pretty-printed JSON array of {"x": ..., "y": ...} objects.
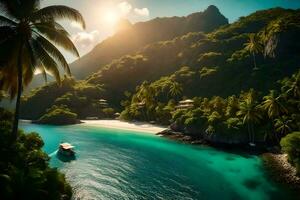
[
  {"x": 199, "y": 64},
  {"x": 132, "y": 37},
  {"x": 241, "y": 81},
  {"x": 291, "y": 145},
  {"x": 247, "y": 117},
  {"x": 29, "y": 39},
  {"x": 24, "y": 166},
  {"x": 58, "y": 115}
]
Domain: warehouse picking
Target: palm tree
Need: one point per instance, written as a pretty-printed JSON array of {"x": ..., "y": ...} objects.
[
  {"x": 294, "y": 85},
  {"x": 146, "y": 97},
  {"x": 232, "y": 106},
  {"x": 272, "y": 105},
  {"x": 250, "y": 114},
  {"x": 254, "y": 46},
  {"x": 146, "y": 93},
  {"x": 271, "y": 35},
  {"x": 283, "y": 125},
  {"x": 28, "y": 38},
  {"x": 175, "y": 89}
]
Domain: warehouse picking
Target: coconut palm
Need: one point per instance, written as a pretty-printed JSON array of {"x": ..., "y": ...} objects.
[
  {"x": 294, "y": 85},
  {"x": 250, "y": 114},
  {"x": 232, "y": 106},
  {"x": 271, "y": 35},
  {"x": 146, "y": 93},
  {"x": 272, "y": 105},
  {"x": 175, "y": 89},
  {"x": 283, "y": 125},
  {"x": 29, "y": 36},
  {"x": 254, "y": 46}
]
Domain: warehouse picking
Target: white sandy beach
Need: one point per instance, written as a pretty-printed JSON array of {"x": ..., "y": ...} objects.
[{"x": 131, "y": 126}]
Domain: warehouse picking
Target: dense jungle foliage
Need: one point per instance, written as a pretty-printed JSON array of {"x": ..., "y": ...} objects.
[
  {"x": 254, "y": 52},
  {"x": 247, "y": 117},
  {"x": 24, "y": 167}
]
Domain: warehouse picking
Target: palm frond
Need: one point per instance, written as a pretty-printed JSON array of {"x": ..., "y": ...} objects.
[
  {"x": 46, "y": 60},
  {"x": 6, "y": 33},
  {"x": 31, "y": 54},
  {"x": 29, "y": 63},
  {"x": 8, "y": 80},
  {"x": 5, "y": 21},
  {"x": 35, "y": 61},
  {"x": 57, "y": 13},
  {"x": 8, "y": 52},
  {"x": 59, "y": 37},
  {"x": 8, "y": 7},
  {"x": 43, "y": 72},
  {"x": 28, "y": 7},
  {"x": 19, "y": 9},
  {"x": 54, "y": 52},
  {"x": 51, "y": 24}
]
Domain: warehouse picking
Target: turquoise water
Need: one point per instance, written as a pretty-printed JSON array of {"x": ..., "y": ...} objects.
[{"x": 117, "y": 164}]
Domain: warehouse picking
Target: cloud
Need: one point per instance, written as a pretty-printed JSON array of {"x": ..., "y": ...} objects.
[
  {"x": 85, "y": 39},
  {"x": 125, "y": 8},
  {"x": 142, "y": 12}
]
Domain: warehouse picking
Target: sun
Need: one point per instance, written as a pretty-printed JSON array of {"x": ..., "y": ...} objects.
[{"x": 111, "y": 18}]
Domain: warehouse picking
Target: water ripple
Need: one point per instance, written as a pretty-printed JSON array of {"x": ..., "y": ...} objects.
[{"x": 124, "y": 166}]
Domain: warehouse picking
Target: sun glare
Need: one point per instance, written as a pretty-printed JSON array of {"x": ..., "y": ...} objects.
[{"x": 111, "y": 18}]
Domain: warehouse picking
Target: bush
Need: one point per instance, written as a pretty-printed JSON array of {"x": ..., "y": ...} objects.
[
  {"x": 291, "y": 145},
  {"x": 108, "y": 112}
]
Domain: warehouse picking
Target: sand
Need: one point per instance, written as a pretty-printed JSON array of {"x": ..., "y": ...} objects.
[{"x": 131, "y": 126}]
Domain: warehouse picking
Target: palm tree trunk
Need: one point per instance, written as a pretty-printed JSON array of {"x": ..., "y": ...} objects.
[
  {"x": 274, "y": 131},
  {"x": 253, "y": 133},
  {"x": 19, "y": 92},
  {"x": 249, "y": 132},
  {"x": 254, "y": 59}
]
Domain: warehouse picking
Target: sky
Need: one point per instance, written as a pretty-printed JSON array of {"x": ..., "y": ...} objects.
[{"x": 101, "y": 16}]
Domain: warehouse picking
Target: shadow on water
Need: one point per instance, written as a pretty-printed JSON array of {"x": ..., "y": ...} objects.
[
  {"x": 65, "y": 158},
  {"x": 251, "y": 184}
]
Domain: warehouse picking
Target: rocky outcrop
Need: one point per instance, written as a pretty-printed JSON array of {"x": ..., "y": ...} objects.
[
  {"x": 215, "y": 138},
  {"x": 281, "y": 170}
]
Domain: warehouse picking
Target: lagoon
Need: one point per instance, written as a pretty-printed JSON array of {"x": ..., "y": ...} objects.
[{"x": 124, "y": 164}]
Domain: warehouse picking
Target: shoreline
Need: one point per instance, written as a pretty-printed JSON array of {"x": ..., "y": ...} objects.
[
  {"x": 123, "y": 125},
  {"x": 276, "y": 164},
  {"x": 281, "y": 171},
  {"x": 230, "y": 148}
]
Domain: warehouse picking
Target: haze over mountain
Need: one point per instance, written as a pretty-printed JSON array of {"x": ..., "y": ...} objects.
[{"x": 133, "y": 37}]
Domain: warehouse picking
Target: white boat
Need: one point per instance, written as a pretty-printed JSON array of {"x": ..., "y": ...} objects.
[
  {"x": 66, "y": 149},
  {"x": 251, "y": 144}
]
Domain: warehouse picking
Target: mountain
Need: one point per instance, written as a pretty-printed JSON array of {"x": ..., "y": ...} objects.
[
  {"x": 218, "y": 60},
  {"x": 133, "y": 37},
  {"x": 208, "y": 64}
]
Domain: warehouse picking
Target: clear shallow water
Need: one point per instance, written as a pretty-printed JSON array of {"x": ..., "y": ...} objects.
[{"x": 117, "y": 164}]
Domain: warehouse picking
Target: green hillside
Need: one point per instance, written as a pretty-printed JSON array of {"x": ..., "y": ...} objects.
[
  {"x": 214, "y": 63},
  {"x": 203, "y": 64},
  {"x": 133, "y": 37}
]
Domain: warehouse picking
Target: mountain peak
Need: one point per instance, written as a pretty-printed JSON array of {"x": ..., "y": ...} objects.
[
  {"x": 213, "y": 19},
  {"x": 130, "y": 38},
  {"x": 212, "y": 9}
]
